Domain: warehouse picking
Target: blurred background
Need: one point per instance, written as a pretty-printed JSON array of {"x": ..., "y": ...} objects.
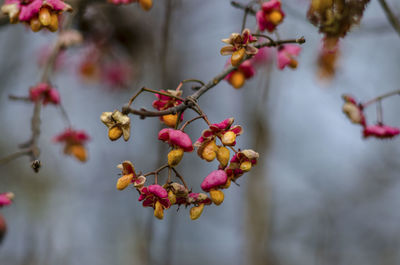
[{"x": 320, "y": 194}]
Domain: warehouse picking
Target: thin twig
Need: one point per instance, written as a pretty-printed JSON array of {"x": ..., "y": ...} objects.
[
  {"x": 379, "y": 112},
  {"x": 156, "y": 171},
  {"x": 65, "y": 114},
  {"x": 246, "y": 11},
  {"x": 13, "y": 156},
  {"x": 154, "y": 92},
  {"x": 244, "y": 7},
  {"x": 180, "y": 177},
  {"x": 378, "y": 98},
  {"x": 190, "y": 121},
  {"x": 169, "y": 176},
  {"x": 212, "y": 83},
  {"x": 19, "y": 98},
  {"x": 394, "y": 21},
  {"x": 233, "y": 149},
  {"x": 193, "y": 80}
]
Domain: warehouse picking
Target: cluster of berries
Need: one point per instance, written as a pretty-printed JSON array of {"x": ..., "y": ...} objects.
[
  {"x": 38, "y": 14},
  {"x": 355, "y": 112},
  {"x": 241, "y": 46},
  {"x": 45, "y": 14},
  {"x": 173, "y": 193}
]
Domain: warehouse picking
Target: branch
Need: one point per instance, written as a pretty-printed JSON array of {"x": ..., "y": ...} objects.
[
  {"x": 31, "y": 147},
  {"x": 191, "y": 101},
  {"x": 3, "y": 19},
  {"x": 390, "y": 16},
  {"x": 246, "y": 8},
  {"x": 379, "y": 98}
]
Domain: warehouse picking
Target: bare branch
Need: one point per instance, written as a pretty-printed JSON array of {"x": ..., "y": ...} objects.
[
  {"x": 394, "y": 21},
  {"x": 191, "y": 100}
]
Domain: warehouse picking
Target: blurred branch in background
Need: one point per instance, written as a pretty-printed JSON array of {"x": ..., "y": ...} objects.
[
  {"x": 169, "y": 8},
  {"x": 31, "y": 147},
  {"x": 394, "y": 21},
  {"x": 258, "y": 192},
  {"x": 3, "y": 19}
]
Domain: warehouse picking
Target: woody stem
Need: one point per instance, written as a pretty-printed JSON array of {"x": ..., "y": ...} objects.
[{"x": 212, "y": 83}]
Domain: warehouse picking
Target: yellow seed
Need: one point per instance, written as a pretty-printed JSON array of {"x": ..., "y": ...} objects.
[
  {"x": 146, "y": 4},
  {"x": 238, "y": 56},
  {"x": 227, "y": 184},
  {"x": 44, "y": 16},
  {"x": 171, "y": 197},
  {"x": 275, "y": 17},
  {"x": 237, "y": 79},
  {"x": 53, "y": 27},
  {"x": 228, "y": 138},
  {"x": 124, "y": 181},
  {"x": 217, "y": 196},
  {"x": 352, "y": 112},
  {"x": 293, "y": 64},
  {"x": 245, "y": 166},
  {"x": 114, "y": 133},
  {"x": 223, "y": 155},
  {"x": 170, "y": 119},
  {"x": 175, "y": 156},
  {"x": 209, "y": 152},
  {"x": 79, "y": 152},
  {"x": 159, "y": 210},
  {"x": 196, "y": 211},
  {"x": 35, "y": 25}
]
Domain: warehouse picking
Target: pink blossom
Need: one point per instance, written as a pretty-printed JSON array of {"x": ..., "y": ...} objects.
[
  {"x": 45, "y": 53},
  {"x": 74, "y": 142},
  {"x": 241, "y": 162},
  {"x": 286, "y": 55},
  {"x": 145, "y": 4},
  {"x": 72, "y": 136},
  {"x": 263, "y": 55},
  {"x": 239, "y": 45},
  {"x": 117, "y": 73},
  {"x": 6, "y": 198},
  {"x": 176, "y": 138},
  {"x": 164, "y": 102},
  {"x": 219, "y": 130},
  {"x": 380, "y": 131},
  {"x": 43, "y": 91},
  {"x": 245, "y": 155},
  {"x": 28, "y": 9},
  {"x": 128, "y": 169},
  {"x": 153, "y": 193},
  {"x": 214, "y": 180},
  {"x": 246, "y": 71},
  {"x": 270, "y": 15},
  {"x": 121, "y": 2}
]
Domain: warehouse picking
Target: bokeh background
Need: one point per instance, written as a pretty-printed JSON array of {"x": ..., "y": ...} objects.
[{"x": 320, "y": 194}]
